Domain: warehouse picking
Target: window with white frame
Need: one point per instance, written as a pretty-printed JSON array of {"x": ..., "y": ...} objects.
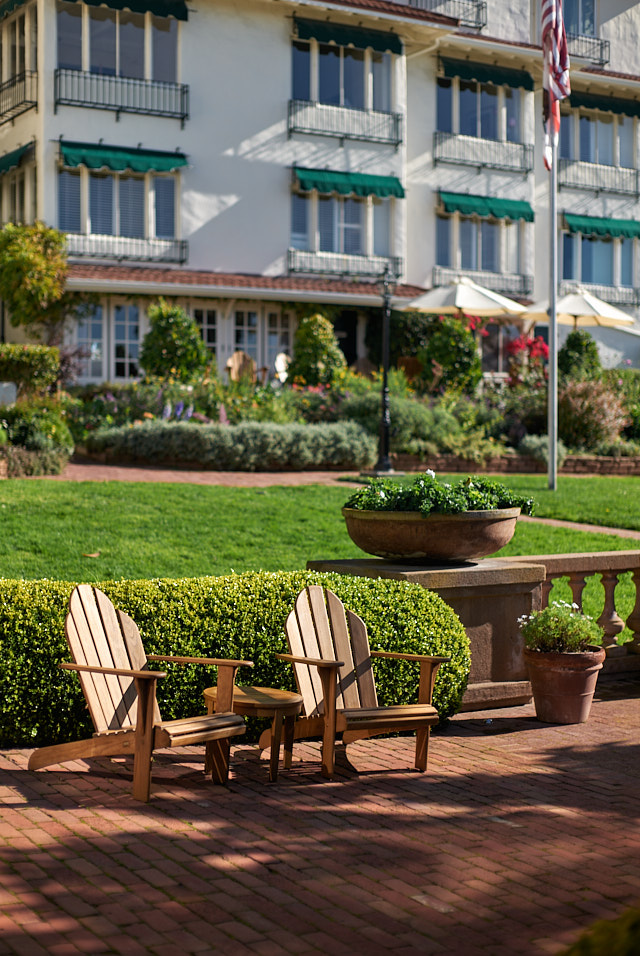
[
  {"x": 207, "y": 322},
  {"x": 108, "y": 336},
  {"x": 598, "y": 260},
  {"x": 598, "y": 137},
  {"x": 476, "y": 244},
  {"x": 18, "y": 194},
  {"x": 19, "y": 43},
  {"x": 278, "y": 336},
  {"x": 263, "y": 332},
  {"x": 117, "y": 42},
  {"x": 341, "y": 224},
  {"x": 482, "y": 110},
  {"x": 126, "y": 341},
  {"x": 341, "y": 75},
  {"x": 579, "y": 17},
  {"x": 246, "y": 332},
  {"x": 90, "y": 340},
  {"x": 116, "y": 204}
]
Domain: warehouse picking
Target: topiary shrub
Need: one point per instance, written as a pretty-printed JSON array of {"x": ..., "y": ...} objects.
[
  {"x": 252, "y": 446},
  {"x": 234, "y": 616},
  {"x": 32, "y": 368},
  {"x": 450, "y": 357},
  {"x": 173, "y": 345},
  {"x": 578, "y": 357},
  {"x": 317, "y": 357}
]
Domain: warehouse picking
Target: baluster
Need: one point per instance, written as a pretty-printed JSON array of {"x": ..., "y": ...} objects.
[
  {"x": 577, "y": 582},
  {"x": 610, "y": 619},
  {"x": 633, "y": 621}
]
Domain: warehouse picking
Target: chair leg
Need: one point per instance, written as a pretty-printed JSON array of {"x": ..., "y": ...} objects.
[
  {"x": 217, "y": 760},
  {"x": 422, "y": 749},
  {"x": 289, "y": 723},
  {"x": 144, "y": 740},
  {"x": 274, "y": 756}
]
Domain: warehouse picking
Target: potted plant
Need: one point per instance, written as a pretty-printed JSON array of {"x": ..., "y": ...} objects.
[
  {"x": 563, "y": 659},
  {"x": 432, "y": 520}
]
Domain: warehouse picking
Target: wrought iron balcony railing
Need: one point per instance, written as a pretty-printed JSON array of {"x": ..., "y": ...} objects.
[
  {"x": 602, "y": 179},
  {"x": 124, "y": 247},
  {"x": 584, "y": 47},
  {"x": 615, "y": 295},
  {"x": 121, "y": 94},
  {"x": 335, "y": 263},
  {"x": 490, "y": 153},
  {"x": 470, "y": 13},
  {"x": 322, "y": 120},
  {"x": 18, "y": 94},
  {"x": 507, "y": 283}
]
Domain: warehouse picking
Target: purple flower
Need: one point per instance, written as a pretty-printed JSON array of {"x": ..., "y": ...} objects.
[
  {"x": 188, "y": 413},
  {"x": 179, "y": 409}
]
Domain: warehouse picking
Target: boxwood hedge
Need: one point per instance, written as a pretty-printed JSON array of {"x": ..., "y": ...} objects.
[{"x": 237, "y": 616}]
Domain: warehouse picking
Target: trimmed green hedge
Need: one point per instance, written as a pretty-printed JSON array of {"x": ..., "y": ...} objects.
[
  {"x": 233, "y": 616},
  {"x": 31, "y": 368},
  {"x": 251, "y": 446}
]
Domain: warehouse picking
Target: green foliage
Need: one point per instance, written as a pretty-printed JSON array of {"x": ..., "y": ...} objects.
[
  {"x": 450, "y": 357},
  {"x": 560, "y": 627},
  {"x": 537, "y": 446},
  {"x": 626, "y": 383},
  {"x": 235, "y": 616},
  {"x": 617, "y": 937},
  {"x": 579, "y": 358},
  {"x": 22, "y": 463},
  {"x": 317, "y": 357},
  {"x": 32, "y": 368},
  {"x": 38, "y": 426},
  {"x": 430, "y": 496},
  {"x": 252, "y": 446},
  {"x": 589, "y": 414},
  {"x": 173, "y": 345}
]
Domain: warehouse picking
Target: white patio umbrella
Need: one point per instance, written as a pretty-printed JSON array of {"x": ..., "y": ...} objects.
[
  {"x": 463, "y": 296},
  {"x": 580, "y": 308}
]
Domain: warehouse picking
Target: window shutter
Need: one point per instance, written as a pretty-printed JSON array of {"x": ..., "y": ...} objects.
[
  {"x": 131, "y": 206},
  {"x": 326, "y": 220},
  {"x": 101, "y": 204},
  {"x": 165, "y": 206},
  {"x": 69, "y": 219}
]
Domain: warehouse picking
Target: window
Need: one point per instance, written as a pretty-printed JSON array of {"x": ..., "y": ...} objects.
[
  {"x": 599, "y": 260},
  {"x": 117, "y": 204},
  {"x": 18, "y": 194},
  {"x": 482, "y": 110},
  {"x": 595, "y": 137},
  {"x": 119, "y": 42},
  {"x": 494, "y": 347},
  {"x": 579, "y": 17},
  {"x": 341, "y": 76},
  {"x": 246, "y": 333},
  {"x": 278, "y": 335},
  {"x": 344, "y": 224},
  {"x": 207, "y": 322},
  {"x": 126, "y": 337},
  {"x": 90, "y": 339},
  {"x": 474, "y": 244},
  {"x": 18, "y": 43}
]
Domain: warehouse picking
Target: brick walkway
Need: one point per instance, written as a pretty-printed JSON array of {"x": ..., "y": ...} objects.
[{"x": 518, "y": 838}]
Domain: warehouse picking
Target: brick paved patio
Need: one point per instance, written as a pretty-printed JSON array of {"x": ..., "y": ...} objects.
[{"x": 517, "y": 839}]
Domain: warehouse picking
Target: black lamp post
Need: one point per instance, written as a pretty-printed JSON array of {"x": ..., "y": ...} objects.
[{"x": 387, "y": 287}]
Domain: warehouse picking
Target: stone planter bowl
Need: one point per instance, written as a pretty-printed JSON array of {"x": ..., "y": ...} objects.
[{"x": 434, "y": 539}]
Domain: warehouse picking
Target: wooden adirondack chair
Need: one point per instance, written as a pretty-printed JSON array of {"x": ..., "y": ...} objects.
[
  {"x": 332, "y": 661},
  {"x": 121, "y": 695},
  {"x": 241, "y": 366}
]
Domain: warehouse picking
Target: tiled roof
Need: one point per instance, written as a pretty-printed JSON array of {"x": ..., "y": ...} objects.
[{"x": 190, "y": 278}]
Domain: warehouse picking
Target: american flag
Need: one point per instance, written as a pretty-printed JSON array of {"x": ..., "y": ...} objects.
[{"x": 555, "y": 75}]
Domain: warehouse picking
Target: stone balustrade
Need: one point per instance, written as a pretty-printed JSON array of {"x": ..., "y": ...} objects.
[{"x": 610, "y": 565}]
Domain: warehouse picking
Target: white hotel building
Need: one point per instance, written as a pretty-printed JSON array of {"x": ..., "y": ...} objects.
[{"x": 246, "y": 156}]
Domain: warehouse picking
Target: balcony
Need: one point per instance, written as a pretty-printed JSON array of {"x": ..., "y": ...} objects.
[
  {"x": 601, "y": 179},
  {"x": 622, "y": 296},
  {"x": 488, "y": 153},
  {"x": 584, "y": 47},
  {"x": 338, "y": 264},
  {"x": 507, "y": 283},
  {"x": 470, "y": 13},
  {"x": 121, "y": 94},
  {"x": 17, "y": 95},
  {"x": 319, "y": 119},
  {"x": 124, "y": 247}
]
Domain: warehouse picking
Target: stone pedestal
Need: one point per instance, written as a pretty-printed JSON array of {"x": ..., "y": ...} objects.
[{"x": 488, "y": 596}]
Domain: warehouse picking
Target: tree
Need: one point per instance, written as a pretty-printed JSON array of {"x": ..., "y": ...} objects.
[
  {"x": 317, "y": 357},
  {"x": 579, "y": 357},
  {"x": 173, "y": 345},
  {"x": 33, "y": 273}
]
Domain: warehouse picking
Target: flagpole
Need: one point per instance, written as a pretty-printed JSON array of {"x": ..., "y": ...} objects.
[{"x": 552, "y": 398}]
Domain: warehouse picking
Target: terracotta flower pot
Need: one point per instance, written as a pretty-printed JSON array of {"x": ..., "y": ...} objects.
[
  {"x": 436, "y": 538},
  {"x": 563, "y": 684}
]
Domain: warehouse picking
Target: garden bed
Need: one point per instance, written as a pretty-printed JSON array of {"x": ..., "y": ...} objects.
[{"x": 520, "y": 464}]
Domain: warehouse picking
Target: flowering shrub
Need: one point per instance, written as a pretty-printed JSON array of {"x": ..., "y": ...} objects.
[
  {"x": 527, "y": 365},
  {"x": 590, "y": 414},
  {"x": 560, "y": 627},
  {"x": 428, "y": 495}
]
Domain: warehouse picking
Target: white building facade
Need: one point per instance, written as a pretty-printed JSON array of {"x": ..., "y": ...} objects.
[{"x": 247, "y": 158}]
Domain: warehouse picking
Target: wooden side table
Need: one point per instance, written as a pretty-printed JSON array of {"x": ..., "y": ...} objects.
[{"x": 282, "y": 706}]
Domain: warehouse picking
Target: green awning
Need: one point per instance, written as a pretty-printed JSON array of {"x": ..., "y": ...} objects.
[
  {"x": 345, "y": 35},
  {"x": 594, "y": 226},
  {"x": 348, "y": 184},
  {"x": 612, "y": 104},
  {"x": 487, "y": 206},
  {"x": 160, "y": 8},
  {"x": 8, "y": 6},
  {"x": 119, "y": 158},
  {"x": 487, "y": 73},
  {"x": 13, "y": 159}
]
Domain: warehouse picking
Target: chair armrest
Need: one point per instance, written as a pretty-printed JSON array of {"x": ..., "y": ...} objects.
[
  {"x": 317, "y": 662},
  {"x": 410, "y": 657},
  {"x": 118, "y": 671},
  {"x": 209, "y": 661}
]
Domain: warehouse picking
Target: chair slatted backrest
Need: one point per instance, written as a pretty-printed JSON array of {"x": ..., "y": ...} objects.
[
  {"x": 320, "y": 627},
  {"x": 241, "y": 366},
  {"x": 100, "y": 636}
]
